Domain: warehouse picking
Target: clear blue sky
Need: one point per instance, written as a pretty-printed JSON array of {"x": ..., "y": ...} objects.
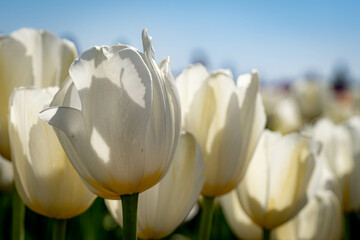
[{"x": 283, "y": 39}]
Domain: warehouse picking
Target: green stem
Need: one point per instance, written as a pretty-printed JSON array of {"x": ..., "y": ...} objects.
[
  {"x": 18, "y": 214},
  {"x": 129, "y": 208},
  {"x": 207, "y": 213},
  {"x": 59, "y": 229},
  {"x": 347, "y": 227},
  {"x": 266, "y": 234}
]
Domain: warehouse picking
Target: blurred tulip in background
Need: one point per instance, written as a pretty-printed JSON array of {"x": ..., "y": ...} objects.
[
  {"x": 275, "y": 185},
  {"x": 29, "y": 57},
  {"x": 341, "y": 151},
  {"x": 225, "y": 118},
  {"x": 44, "y": 177}
]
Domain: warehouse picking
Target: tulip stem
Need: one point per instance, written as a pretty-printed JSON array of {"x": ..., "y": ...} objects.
[
  {"x": 266, "y": 234},
  {"x": 129, "y": 208},
  {"x": 207, "y": 213},
  {"x": 59, "y": 229},
  {"x": 18, "y": 213},
  {"x": 347, "y": 227}
]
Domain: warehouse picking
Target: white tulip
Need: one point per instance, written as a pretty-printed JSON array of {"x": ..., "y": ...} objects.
[
  {"x": 30, "y": 58},
  {"x": 226, "y": 119},
  {"x": 287, "y": 116},
  {"x": 44, "y": 177},
  {"x": 282, "y": 111},
  {"x": 274, "y": 188},
  {"x": 321, "y": 218},
  {"x": 310, "y": 96},
  {"x": 341, "y": 150},
  {"x": 163, "y": 207},
  {"x": 118, "y": 118}
]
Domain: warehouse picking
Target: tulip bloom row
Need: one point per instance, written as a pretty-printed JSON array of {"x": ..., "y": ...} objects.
[{"x": 114, "y": 124}]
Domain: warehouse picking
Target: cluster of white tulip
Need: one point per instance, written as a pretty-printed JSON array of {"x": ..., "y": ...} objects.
[{"x": 114, "y": 124}]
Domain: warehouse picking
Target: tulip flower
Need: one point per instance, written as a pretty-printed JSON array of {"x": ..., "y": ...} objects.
[
  {"x": 163, "y": 207},
  {"x": 227, "y": 120},
  {"x": 119, "y": 120},
  {"x": 319, "y": 219},
  {"x": 340, "y": 148},
  {"x": 282, "y": 111},
  {"x": 44, "y": 177},
  {"x": 274, "y": 188},
  {"x": 30, "y": 57},
  {"x": 287, "y": 117},
  {"x": 310, "y": 96}
]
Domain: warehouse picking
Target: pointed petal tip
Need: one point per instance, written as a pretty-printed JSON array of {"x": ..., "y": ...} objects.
[
  {"x": 165, "y": 64},
  {"x": 147, "y": 45},
  {"x": 255, "y": 77},
  {"x": 255, "y": 74},
  {"x": 47, "y": 114},
  {"x": 146, "y": 38}
]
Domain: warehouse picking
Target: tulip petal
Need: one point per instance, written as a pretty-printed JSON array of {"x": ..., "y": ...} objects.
[
  {"x": 338, "y": 153},
  {"x": 60, "y": 95},
  {"x": 239, "y": 221},
  {"x": 253, "y": 190},
  {"x": 292, "y": 164},
  {"x": 252, "y": 120},
  {"x": 188, "y": 84},
  {"x": 30, "y": 58},
  {"x": 174, "y": 99},
  {"x": 67, "y": 96},
  {"x": 44, "y": 178},
  {"x": 163, "y": 207},
  {"x": 77, "y": 146},
  {"x": 163, "y": 128},
  {"x": 207, "y": 117}
]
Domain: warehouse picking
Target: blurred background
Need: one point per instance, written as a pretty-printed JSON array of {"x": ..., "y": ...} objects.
[{"x": 284, "y": 40}]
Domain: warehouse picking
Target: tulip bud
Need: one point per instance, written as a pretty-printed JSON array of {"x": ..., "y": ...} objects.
[
  {"x": 321, "y": 218},
  {"x": 44, "y": 177},
  {"x": 30, "y": 58},
  {"x": 118, "y": 118},
  {"x": 287, "y": 117},
  {"x": 163, "y": 207},
  {"x": 341, "y": 151},
  {"x": 310, "y": 98},
  {"x": 274, "y": 188},
  {"x": 226, "y": 119}
]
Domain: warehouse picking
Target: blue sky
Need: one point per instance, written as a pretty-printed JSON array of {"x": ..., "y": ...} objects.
[{"x": 282, "y": 39}]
